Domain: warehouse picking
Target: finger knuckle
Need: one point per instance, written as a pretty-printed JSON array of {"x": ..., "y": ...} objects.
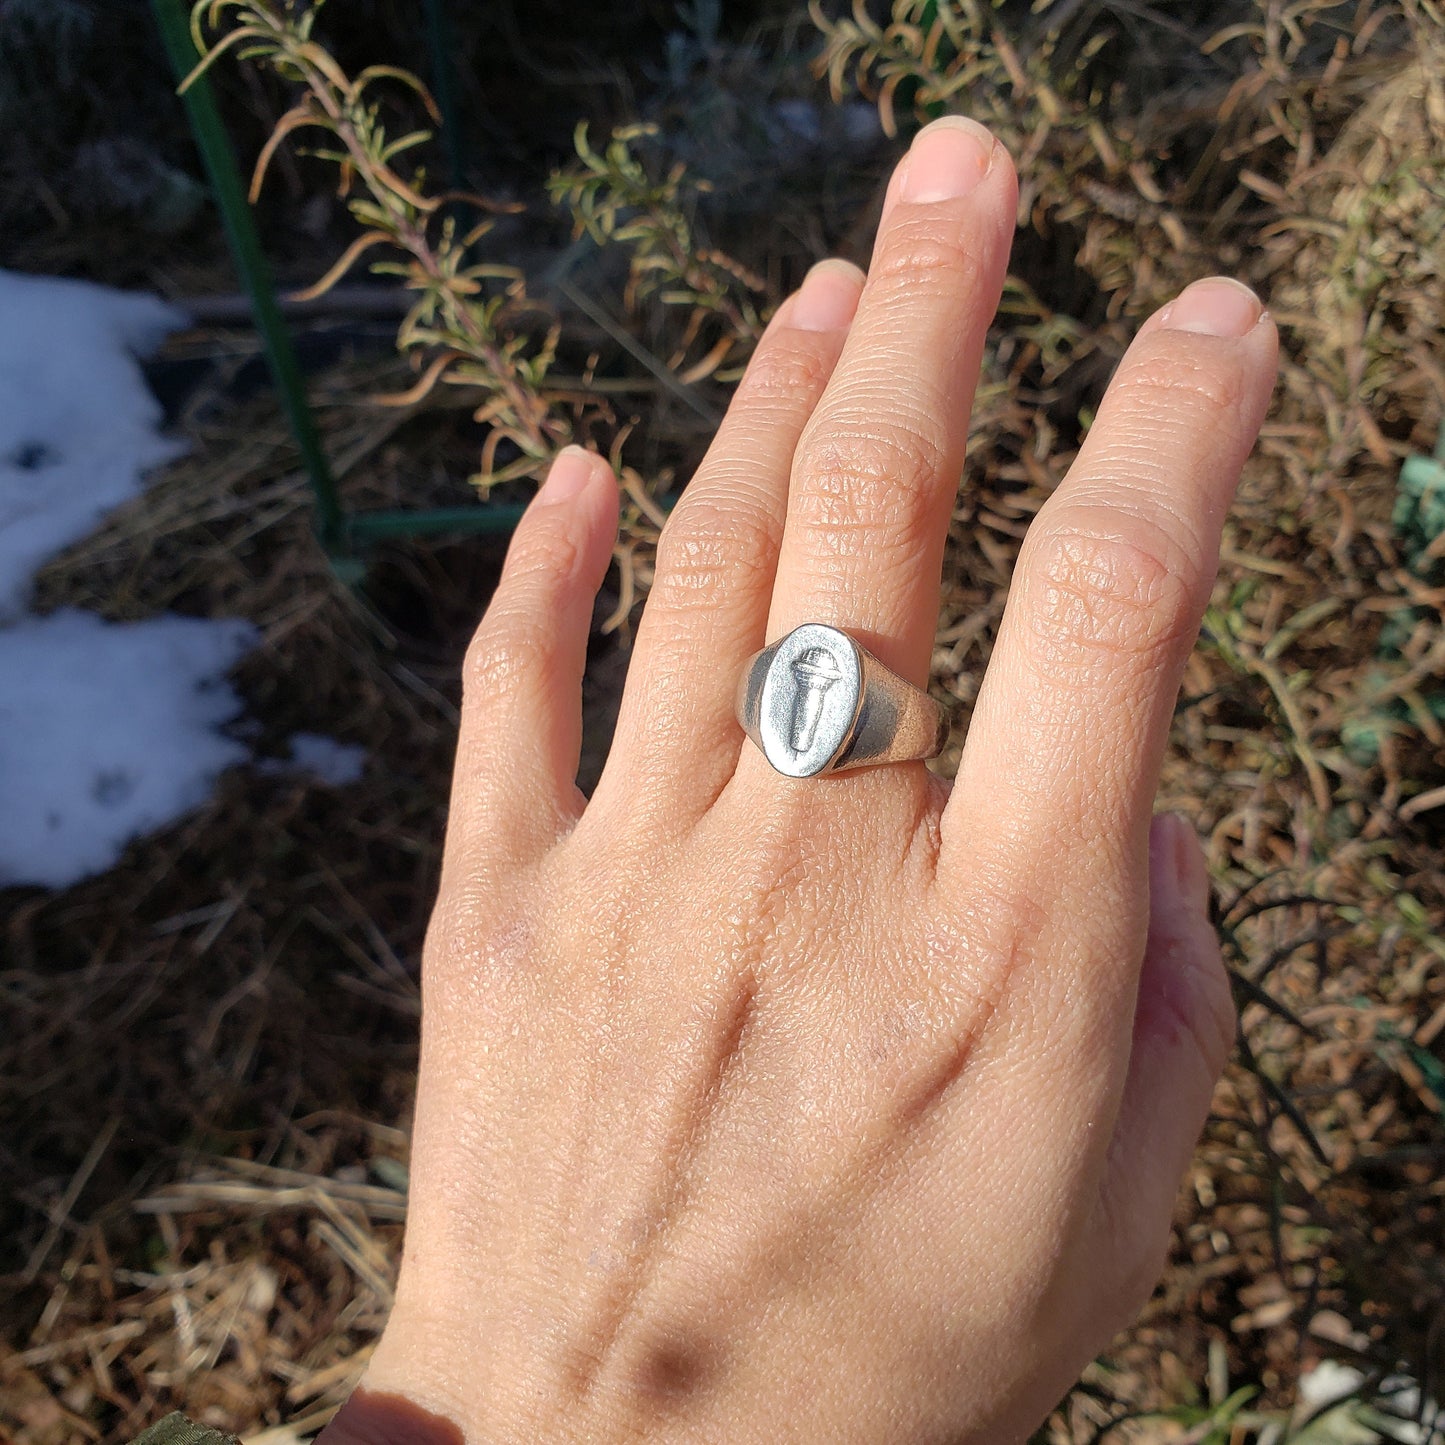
[
  {"x": 507, "y": 652},
  {"x": 923, "y": 257},
  {"x": 479, "y": 956},
  {"x": 866, "y": 487},
  {"x": 1170, "y": 374},
  {"x": 709, "y": 546},
  {"x": 785, "y": 375},
  {"x": 515, "y": 639},
  {"x": 1115, "y": 598},
  {"x": 542, "y": 557}
]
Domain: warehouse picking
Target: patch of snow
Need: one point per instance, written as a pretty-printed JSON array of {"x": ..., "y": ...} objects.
[
  {"x": 798, "y": 127},
  {"x": 78, "y": 425},
  {"x": 108, "y": 731},
  {"x": 328, "y": 761},
  {"x": 800, "y": 118},
  {"x": 861, "y": 124}
]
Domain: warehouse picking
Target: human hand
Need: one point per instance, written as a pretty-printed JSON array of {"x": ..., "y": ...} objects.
[{"x": 850, "y": 1109}]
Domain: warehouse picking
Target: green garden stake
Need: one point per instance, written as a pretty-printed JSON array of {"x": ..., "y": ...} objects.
[
  {"x": 443, "y": 86},
  {"x": 230, "y": 196}
]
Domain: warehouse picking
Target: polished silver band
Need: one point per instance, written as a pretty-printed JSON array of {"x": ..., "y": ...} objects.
[{"x": 817, "y": 702}]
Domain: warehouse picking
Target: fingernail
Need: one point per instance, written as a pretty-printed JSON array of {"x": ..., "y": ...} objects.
[
  {"x": 1218, "y": 306},
  {"x": 948, "y": 158},
  {"x": 570, "y": 472},
  {"x": 827, "y": 299}
]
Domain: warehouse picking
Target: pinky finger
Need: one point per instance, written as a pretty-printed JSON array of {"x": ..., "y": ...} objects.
[
  {"x": 514, "y": 789},
  {"x": 1184, "y": 1025}
]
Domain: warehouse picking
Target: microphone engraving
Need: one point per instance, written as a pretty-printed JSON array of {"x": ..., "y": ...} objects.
[{"x": 816, "y": 670}]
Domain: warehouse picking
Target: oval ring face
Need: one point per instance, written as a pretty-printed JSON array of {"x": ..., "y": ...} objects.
[{"x": 810, "y": 699}]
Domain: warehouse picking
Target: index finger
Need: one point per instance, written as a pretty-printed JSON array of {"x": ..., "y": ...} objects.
[{"x": 1062, "y": 760}]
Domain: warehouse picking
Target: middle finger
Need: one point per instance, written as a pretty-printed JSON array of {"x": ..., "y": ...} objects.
[{"x": 876, "y": 470}]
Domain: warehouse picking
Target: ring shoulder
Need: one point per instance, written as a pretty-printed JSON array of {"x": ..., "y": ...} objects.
[{"x": 748, "y": 700}]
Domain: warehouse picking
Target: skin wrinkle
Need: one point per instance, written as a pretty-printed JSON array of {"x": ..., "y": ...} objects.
[
  {"x": 854, "y": 401},
  {"x": 920, "y": 257},
  {"x": 699, "y": 554},
  {"x": 869, "y": 471},
  {"x": 837, "y": 541},
  {"x": 1160, "y": 541},
  {"x": 736, "y": 512},
  {"x": 1134, "y": 481},
  {"x": 853, "y": 396},
  {"x": 776, "y": 377},
  {"x": 1174, "y": 374},
  {"x": 926, "y": 835},
  {"x": 1126, "y": 490},
  {"x": 1096, "y": 605},
  {"x": 555, "y": 553},
  {"x": 698, "y": 564},
  {"x": 719, "y": 528},
  {"x": 1143, "y": 435},
  {"x": 493, "y": 670}
]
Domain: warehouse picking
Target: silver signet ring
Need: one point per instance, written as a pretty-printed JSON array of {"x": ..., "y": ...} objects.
[{"x": 817, "y": 702}]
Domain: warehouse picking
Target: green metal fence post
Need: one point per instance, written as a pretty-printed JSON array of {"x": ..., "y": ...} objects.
[
  {"x": 444, "y": 86},
  {"x": 230, "y": 196}
]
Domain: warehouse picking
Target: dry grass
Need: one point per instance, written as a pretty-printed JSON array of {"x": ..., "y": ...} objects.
[{"x": 206, "y": 1055}]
